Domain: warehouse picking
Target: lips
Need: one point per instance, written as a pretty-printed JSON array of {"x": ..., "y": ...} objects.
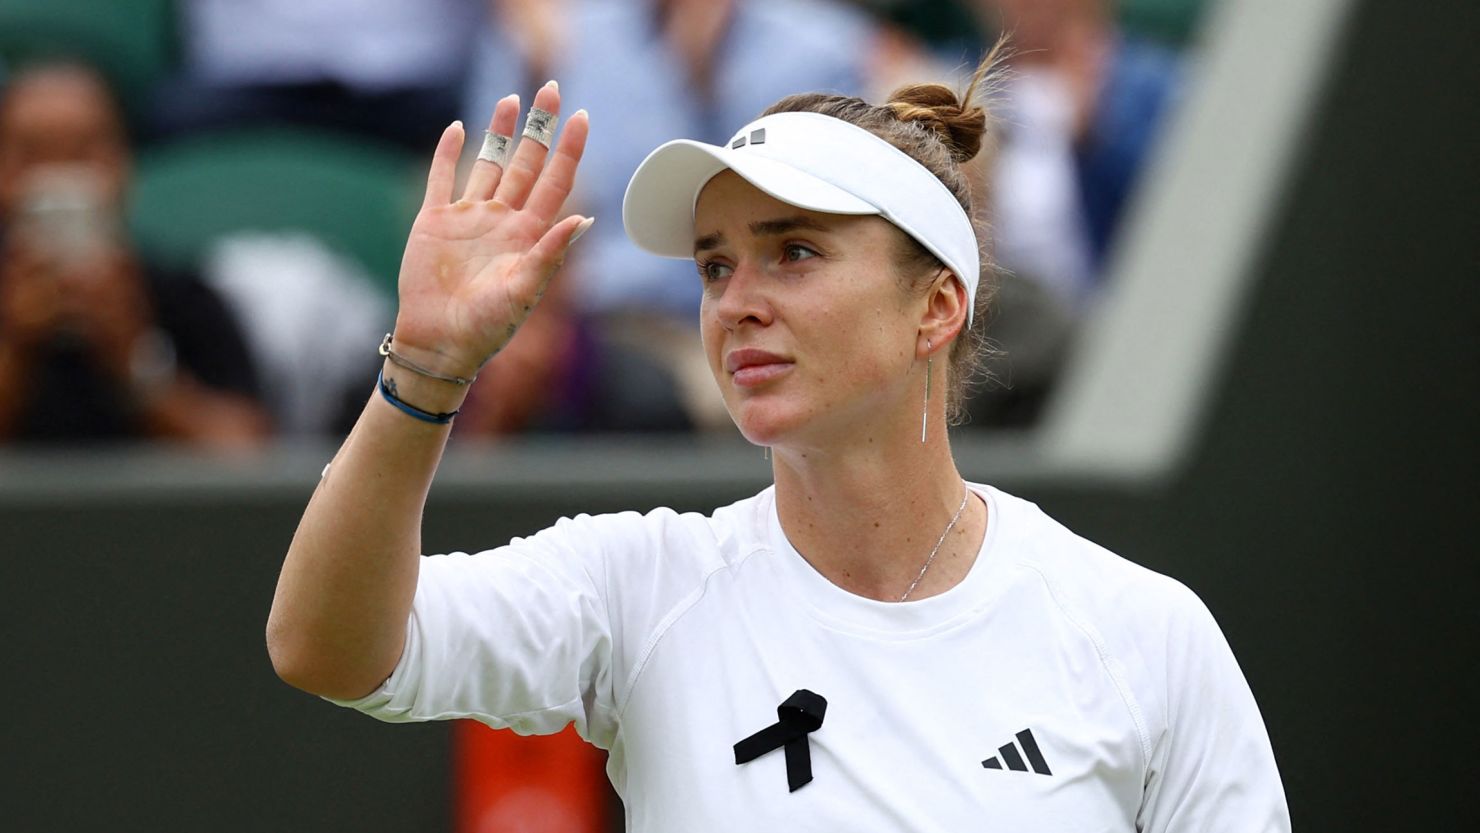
[{"x": 750, "y": 366}]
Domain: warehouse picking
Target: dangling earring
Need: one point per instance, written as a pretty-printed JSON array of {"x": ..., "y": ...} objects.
[
  {"x": 925, "y": 410},
  {"x": 767, "y": 451}
]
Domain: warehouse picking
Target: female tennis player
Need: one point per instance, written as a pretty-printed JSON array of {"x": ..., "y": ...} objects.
[{"x": 871, "y": 644}]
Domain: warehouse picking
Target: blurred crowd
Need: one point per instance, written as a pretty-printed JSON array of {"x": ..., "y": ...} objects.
[{"x": 133, "y": 306}]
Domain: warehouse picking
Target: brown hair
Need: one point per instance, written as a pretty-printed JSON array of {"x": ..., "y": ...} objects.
[{"x": 942, "y": 131}]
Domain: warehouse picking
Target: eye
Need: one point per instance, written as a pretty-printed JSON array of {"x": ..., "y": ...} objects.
[
  {"x": 713, "y": 270},
  {"x": 793, "y": 252}
]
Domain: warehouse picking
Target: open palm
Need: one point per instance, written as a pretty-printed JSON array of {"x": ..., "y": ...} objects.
[{"x": 475, "y": 267}]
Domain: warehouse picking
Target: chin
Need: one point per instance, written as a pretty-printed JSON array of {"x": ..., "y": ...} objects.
[{"x": 765, "y": 423}]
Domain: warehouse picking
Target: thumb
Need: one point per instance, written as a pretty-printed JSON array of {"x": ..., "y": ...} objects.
[{"x": 547, "y": 255}]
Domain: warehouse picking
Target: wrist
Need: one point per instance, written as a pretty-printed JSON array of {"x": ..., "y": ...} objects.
[
  {"x": 433, "y": 361},
  {"x": 421, "y": 392},
  {"x": 16, "y": 365},
  {"x": 15, "y": 348},
  {"x": 152, "y": 366}
]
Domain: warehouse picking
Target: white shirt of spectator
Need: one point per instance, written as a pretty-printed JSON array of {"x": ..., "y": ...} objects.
[{"x": 1037, "y": 222}]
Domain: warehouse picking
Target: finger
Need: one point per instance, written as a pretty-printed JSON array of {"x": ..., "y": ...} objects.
[
  {"x": 529, "y": 156},
  {"x": 546, "y": 256},
  {"x": 559, "y": 176},
  {"x": 443, "y": 174},
  {"x": 486, "y": 174}
]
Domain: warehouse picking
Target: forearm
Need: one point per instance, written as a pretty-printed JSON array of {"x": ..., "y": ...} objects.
[
  {"x": 339, "y": 616},
  {"x": 473, "y": 269},
  {"x": 190, "y": 411}
]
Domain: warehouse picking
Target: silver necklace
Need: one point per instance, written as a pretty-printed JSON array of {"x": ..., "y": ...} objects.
[{"x": 949, "y": 527}]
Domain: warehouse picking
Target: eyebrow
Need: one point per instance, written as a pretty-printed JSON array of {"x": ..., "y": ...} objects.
[
  {"x": 709, "y": 241},
  {"x": 763, "y": 228}
]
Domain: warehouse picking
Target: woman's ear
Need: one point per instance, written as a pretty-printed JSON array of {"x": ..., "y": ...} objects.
[{"x": 946, "y": 306}]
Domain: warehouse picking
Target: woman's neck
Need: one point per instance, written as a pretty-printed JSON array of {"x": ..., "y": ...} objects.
[{"x": 868, "y": 518}]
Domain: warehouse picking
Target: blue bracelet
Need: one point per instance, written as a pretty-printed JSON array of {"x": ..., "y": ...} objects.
[{"x": 409, "y": 409}]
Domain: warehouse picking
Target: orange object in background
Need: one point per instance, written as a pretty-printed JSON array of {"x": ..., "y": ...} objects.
[{"x": 506, "y": 783}]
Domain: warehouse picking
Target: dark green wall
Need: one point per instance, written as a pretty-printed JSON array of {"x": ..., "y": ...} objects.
[{"x": 140, "y": 696}]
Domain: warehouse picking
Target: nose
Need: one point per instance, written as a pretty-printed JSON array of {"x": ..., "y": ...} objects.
[{"x": 742, "y": 299}]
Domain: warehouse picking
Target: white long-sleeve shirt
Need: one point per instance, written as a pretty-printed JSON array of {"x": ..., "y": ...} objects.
[{"x": 1058, "y": 687}]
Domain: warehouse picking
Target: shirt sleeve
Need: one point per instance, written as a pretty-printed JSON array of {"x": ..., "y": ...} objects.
[
  {"x": 1212, "y": 770},
  {"x": 517, "y": 637}
]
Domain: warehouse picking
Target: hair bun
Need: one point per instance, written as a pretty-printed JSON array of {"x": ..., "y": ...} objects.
[{"x": 959, "y": 125}]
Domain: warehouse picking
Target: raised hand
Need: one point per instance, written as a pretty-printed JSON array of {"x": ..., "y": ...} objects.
[{"x": 475, "y": 266}]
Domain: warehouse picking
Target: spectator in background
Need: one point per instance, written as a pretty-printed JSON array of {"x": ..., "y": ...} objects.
[
  {"x": 310, "y": 318},
  {"x": 649, "y": 70},
  {"x": 562, "y": 375},
  {"x": 94, "y": 346},
  {"x": 1083, "y": 108},
  {"x": 384, "y": 68}
]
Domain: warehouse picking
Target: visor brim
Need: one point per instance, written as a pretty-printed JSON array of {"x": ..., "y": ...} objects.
[{"x": 658, "y": 209}]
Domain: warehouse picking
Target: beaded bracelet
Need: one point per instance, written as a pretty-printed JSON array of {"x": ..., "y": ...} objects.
[{"x": 407, "y": 408}]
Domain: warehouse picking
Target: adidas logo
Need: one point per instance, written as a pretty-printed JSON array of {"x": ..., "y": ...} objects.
[{"x": 1009, "y": 753}]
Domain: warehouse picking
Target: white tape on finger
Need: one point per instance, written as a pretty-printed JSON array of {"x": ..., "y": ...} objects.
[
  {"x": 539, "y": 125},
  {"x": 496, "y": 148}
]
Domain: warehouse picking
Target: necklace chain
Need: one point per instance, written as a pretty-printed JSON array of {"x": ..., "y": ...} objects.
[{"x": 936, "y": 549}]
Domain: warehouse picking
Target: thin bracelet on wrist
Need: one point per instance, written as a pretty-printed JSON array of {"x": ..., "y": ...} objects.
[
  {"x": 388, "y": 392},
  {"x": 401, "y": 361}
]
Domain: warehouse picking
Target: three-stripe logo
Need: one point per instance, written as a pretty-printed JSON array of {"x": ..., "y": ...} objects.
[{"x": 1009, "y": 753}]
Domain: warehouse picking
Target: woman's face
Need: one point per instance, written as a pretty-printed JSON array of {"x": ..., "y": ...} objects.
[
  {"x": 805, "y": 326},
  {"x": 60, "y": 119}
]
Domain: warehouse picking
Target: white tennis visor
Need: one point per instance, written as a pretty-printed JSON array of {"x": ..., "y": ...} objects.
[{"x": 811, "y": 161}]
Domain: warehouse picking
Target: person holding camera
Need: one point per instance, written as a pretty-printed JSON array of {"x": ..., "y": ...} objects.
[{"x": 94, "y": 344}]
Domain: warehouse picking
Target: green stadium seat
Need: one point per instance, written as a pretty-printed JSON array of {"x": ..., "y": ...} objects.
[
  {"x": 131, "y": 41},
  {"x": 358, "y": 199},
  {"x": 1171, "y": 21}
]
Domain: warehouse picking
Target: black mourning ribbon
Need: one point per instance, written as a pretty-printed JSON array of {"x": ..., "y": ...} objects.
[{"x": 800, "y": 714}]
